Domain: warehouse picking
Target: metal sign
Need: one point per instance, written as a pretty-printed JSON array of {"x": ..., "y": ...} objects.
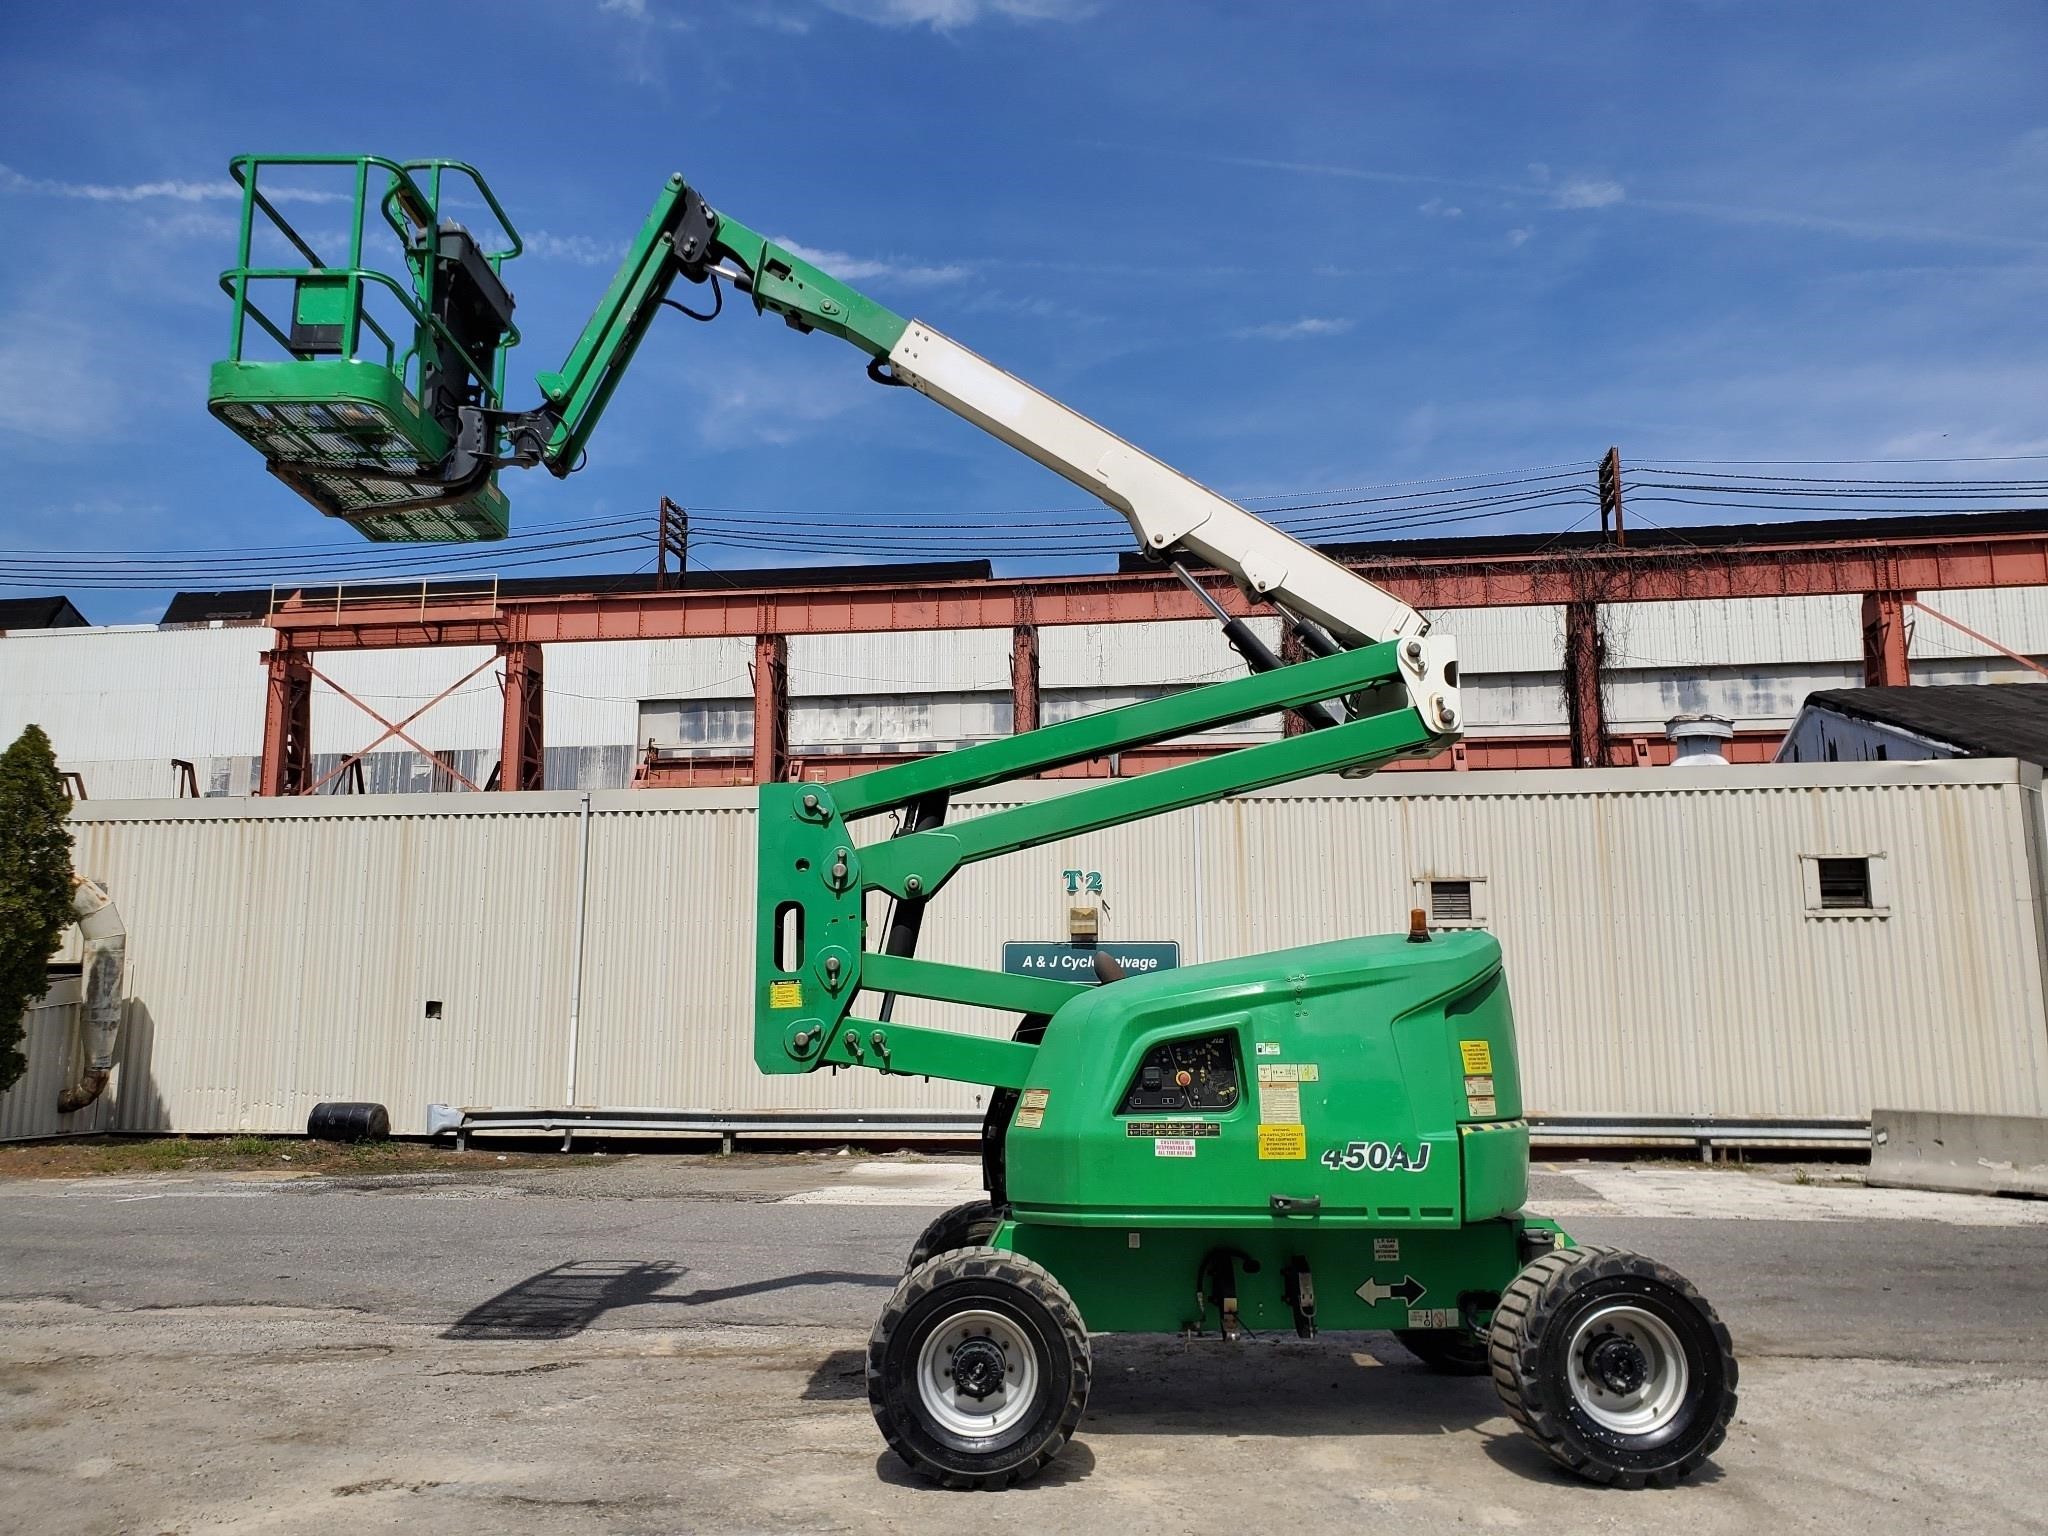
[{"x": 1076, "y": 962}]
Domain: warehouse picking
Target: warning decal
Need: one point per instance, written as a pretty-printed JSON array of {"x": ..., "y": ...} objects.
[
  {"x": 1280, "y": 1103},
  {"x": 1181, "y": 1130},
  {"x": 1282, "y": 1144},
  {"x": 1031, "y": 1108},
  {"x": 1173, "y": 1147},
  {"x": 785, "y": 994},
  {"x": 1478, "y": 1056}
]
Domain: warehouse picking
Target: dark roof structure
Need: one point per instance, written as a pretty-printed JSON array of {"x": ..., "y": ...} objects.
[
  {"x": 1699, "y": 537},
  {"x": 40, "y": 613},
  {"x": 243, "y": 605},
  {"x": 1979, "y": 719}
]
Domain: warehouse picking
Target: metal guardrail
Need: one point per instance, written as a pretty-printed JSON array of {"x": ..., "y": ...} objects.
[
  {"x": 422, "y": 599},
  {"x": 1705, "y": 1134}
]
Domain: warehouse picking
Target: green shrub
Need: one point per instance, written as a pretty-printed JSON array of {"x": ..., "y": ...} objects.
[{"x": 35, "y": 885}]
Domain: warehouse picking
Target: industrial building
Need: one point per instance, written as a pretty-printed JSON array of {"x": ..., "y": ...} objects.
[
  {"x": 1574, "y": 652},
  {"x": 1721, "y": 955}
]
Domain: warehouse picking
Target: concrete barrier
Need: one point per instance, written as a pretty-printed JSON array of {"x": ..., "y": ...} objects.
[{"x": 1971, "y": 1154}]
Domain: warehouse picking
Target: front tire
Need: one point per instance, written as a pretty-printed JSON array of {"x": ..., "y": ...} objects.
[
  {"x": 1615, "y": 1365},
  {"x": 978, "y": 1369}
]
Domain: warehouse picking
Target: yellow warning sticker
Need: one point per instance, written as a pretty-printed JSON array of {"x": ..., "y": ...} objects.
[
  {"x": 1282, "y": 1143},
  {"x": 785, "y": 994},
  {"x": 1478, "y": 1056},
  {"x": 1311, "y": 1073}
]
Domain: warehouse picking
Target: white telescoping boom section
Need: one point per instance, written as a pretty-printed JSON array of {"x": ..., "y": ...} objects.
[{"x": 1170, "y": 512}]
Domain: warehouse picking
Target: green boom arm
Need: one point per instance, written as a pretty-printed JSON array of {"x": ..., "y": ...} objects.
[
  {"x": 814, "y": 959},
  {"x": 684, "y": 237}
]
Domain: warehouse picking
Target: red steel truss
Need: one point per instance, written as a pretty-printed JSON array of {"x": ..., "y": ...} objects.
[{"x": 1887, "y": 573}]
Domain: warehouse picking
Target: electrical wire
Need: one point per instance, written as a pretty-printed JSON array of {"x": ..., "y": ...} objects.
[{"x": 1328, "y": 516}]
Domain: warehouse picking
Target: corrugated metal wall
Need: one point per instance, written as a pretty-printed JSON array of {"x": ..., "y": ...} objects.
[
  {"x": 1662, "y": 955},
  {"x": 56, "y": 1060}
]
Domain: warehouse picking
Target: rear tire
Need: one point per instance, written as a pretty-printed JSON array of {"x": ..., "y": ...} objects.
[
  {"x": 1449, "y": 1351},
  {"x": 965, "y": 1226},
  {"x": 1615, "y": 1365},
  {"x": 978, "y": 1369}
]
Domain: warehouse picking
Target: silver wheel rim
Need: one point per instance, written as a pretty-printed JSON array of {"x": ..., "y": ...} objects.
[
  {"x": 1649, "y": 1407},
  {"x": 955, "y": 1410}
]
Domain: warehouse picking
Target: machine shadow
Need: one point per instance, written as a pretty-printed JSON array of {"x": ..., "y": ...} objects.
[
  {"x": 1359, "y": 1386},
  {"x": 561, "y": 1302}
]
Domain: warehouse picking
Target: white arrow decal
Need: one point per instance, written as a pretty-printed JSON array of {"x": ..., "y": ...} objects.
[{"x": 1408, "y": 1288}]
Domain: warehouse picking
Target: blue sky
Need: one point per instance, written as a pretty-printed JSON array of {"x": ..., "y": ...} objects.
[{"x": 1286, "y": 248}]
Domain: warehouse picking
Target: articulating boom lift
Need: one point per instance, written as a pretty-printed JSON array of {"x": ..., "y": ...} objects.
[{"x": 1327, "y": 1137}]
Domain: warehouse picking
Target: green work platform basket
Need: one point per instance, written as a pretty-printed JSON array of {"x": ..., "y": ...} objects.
[{"x": 351, "y": 382}]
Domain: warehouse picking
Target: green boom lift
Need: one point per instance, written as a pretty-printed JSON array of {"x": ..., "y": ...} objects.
[{"x": 1326, "y": 1137}]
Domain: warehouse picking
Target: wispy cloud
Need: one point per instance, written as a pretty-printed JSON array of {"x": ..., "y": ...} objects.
[
  {"x": 1437, "y": 208},
  {"x": 1294, "y": 330},
  {"x": 950, "y": 15},
  {"x": 1517, "y": 238},
  {"x": 640, "y": 11},
  {"x": 1585, "y": 193},
  {"x": 178, "y": 191},
  {"x": 577, "y": 250},
  {"x": 856, "y": 269}
]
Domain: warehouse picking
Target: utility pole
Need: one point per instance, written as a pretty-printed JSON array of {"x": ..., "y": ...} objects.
[
  {"x": 1610, "y": 498},
  {"x": 671, "y": 537}
]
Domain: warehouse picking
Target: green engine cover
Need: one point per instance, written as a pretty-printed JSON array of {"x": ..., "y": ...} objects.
[{"x": 1366, "y": 1083}]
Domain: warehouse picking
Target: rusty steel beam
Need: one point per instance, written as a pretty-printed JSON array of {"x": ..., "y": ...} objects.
[
  {"x": 1483, "y": 753},
  {"x": 1585, "y": 707},
  {"x": 522, "y": 739},
  {"x": 1788, "y": 568},
  {"x": 1884, "y": 640},
  {"x": 771, "y": 709},
  {"x": 287, "y": 767},
  {"x": 1024, "y": 712}
]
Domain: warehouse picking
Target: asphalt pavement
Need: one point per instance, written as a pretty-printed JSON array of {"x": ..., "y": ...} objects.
[{"x": 657, "y": 1344}]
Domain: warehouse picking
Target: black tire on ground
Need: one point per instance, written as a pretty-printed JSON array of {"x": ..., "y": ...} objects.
[
  {"x": 343, "y": 1121},
  {"x": 1615, "y": 1365},
  {"x": 1451, "y": 1351},
  {"x": 965, "y": 1226},
  {"x": 978, "y": 1369}
]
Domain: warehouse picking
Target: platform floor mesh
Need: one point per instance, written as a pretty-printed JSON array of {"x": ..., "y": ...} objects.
[{"x": 299, "y": 438}]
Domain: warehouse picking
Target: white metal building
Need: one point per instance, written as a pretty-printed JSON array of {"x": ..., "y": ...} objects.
[{"x": 122, "y": 703}]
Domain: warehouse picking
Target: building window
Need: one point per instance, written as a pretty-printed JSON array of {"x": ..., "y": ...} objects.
[
  {"x": 1844, "y": 882},
  {"x": 1452, "y": 901},
  {"x": 1845, "y": 885}
]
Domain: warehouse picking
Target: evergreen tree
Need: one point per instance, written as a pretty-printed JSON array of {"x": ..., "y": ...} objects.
[{"x": 35, "y": 885}]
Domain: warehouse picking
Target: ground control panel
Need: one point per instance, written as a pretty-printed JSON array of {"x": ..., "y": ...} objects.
[{"x": 1192, "y": 1074}]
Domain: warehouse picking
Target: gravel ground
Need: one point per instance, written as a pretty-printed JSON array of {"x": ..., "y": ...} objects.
[{"x": 675, "y": 1345}]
